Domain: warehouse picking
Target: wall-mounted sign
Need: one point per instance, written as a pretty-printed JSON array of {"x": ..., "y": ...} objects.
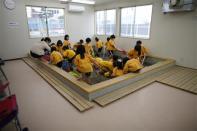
[{"x": 13, "y": 24}]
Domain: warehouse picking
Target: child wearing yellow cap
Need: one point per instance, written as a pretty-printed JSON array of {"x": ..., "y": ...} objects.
[
  {"x": 68, "y": 53},
  {"x": 56, "y": 57}
]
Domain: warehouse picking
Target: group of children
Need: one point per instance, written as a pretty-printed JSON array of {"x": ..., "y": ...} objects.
[{"x": 86, "y": 60}]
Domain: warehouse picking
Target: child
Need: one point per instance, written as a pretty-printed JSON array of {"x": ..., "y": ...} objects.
[
  {"x": 56, "y": 57},
  {"x": 108, "y": 66},
  {"x": 68, "y": 53},
  {"x": 59, "y": 46},
  {"x": 83, "y": 63},
  {"x": 99, "y": 45},
  {"x": 131, "y": 65},
  {"x": 118, "y": 70},
  {"x": 88, "y": 47},
  {"x": 111, "y": 45},
  {"x": 139, "y": 51},
  {"x": 76, "y": 45},
  {"x": 66, "y": 41}
]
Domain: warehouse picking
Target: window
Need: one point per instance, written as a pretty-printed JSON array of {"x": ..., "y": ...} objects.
[
  {"x": 100, "y": 23},
  {"x": 44, "y": 21},
  {"x": 55, "y": 22},
  {"x": 127, "y": 21},
  {"x": 110, "y": 22},
  {"x": 36, "y": 21},
  {"x": 135, "y": 21},
  {"x": 105, "y": 22}
]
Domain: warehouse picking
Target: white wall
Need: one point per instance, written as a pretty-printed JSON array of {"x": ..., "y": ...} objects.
[
  {"x": 15, "y": 42},
  {"x": 172, "y": 35}
]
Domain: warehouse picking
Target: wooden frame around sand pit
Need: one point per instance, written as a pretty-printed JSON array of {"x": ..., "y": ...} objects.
[{"x": 91, "y": 92}]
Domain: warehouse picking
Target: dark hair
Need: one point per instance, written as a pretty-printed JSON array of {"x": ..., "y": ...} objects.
[
  {"x": 59, "y": 43},
  {"x": 119, "y": 64},
  {"x": 66, "y": 37},
  {"x": 81, "y": 51},
  {"x": 53, "y": 49},
  {"x": 47, "y": 39},
  {"x": 108, "y": 38},
  {"x": 81, "y": 41},
  {"x": 42, "y": 39},
  {"x": 138, "y": 49},
  {"x": 125, "y": 59},
  {"x": 96, "y": 38},
  {"x": 65, "y": 47},
  {"x": 88, "y": 40},
  {"x": 115, "y": 58},
  {"x": 112, "y": 37},
  {"x": 139, "y": 42},
  {"x": 52, "y": 44}
]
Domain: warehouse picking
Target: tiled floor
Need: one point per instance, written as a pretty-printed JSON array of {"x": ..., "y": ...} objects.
[{"x": 156, "y": 107}]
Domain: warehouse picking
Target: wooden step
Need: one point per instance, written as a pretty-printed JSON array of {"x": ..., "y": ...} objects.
[
  {"x": 181, "y": 78},
  {"x": 117, "y": 94},
  {"x": 75, "y": 99}
]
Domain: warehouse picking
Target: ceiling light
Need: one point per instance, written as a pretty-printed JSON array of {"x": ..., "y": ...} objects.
[
  {"x": 64, "y": 0},
  {"x": 91, "y": 2}
]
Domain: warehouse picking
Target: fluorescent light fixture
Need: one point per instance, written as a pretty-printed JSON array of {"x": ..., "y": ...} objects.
[
  {"x": 64, "y": 0},
  {"x": 91, "y": 2}
]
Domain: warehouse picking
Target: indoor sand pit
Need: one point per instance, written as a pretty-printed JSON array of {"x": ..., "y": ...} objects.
[{"x": 154, "y": 66}]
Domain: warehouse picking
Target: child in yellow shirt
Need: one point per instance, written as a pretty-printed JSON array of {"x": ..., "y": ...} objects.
[
  {"x": 66, "y": 41},
  {"x": 110, "y": 46},
  {"x": 99, "y": 45},
  {"x": 138, "y": 52},
  {"x": 83, "y": 63},
  {"x": 68, "y": 53},
  {"x": 88, "y": 47},
  {"x": 107, "y": 66},
  {"x": 56, "y": 57},
  {"x": 59, "y": 46},
  {"x": 118, "y": 70},
  {"x": 131, "y": 65},
  {"x": 107, "y": 42}
]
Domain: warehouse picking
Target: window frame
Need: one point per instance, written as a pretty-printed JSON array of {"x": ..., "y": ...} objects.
[
  {"x": 133, "y": 37},
  {"x": 105, "y": 18},
  {"x": 46, "y": 21}
]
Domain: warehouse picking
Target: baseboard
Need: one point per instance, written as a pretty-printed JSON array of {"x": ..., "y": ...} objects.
[{"x": 14, "y": 59}]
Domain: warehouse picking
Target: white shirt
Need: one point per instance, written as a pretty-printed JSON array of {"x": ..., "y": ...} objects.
[{"x": 39, "y": 48}]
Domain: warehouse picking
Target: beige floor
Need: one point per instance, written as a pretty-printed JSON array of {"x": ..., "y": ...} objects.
[{"x": 157, "y": 107}]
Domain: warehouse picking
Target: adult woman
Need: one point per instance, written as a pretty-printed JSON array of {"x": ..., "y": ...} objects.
[{"x": 39, "y": 49}]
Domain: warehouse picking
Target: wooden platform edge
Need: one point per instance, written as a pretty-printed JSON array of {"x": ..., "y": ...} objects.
[
  {"x": 192, "y": 92},
  {"x": 65, "y": 95},
  {"x": 122, "y": 95}
]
